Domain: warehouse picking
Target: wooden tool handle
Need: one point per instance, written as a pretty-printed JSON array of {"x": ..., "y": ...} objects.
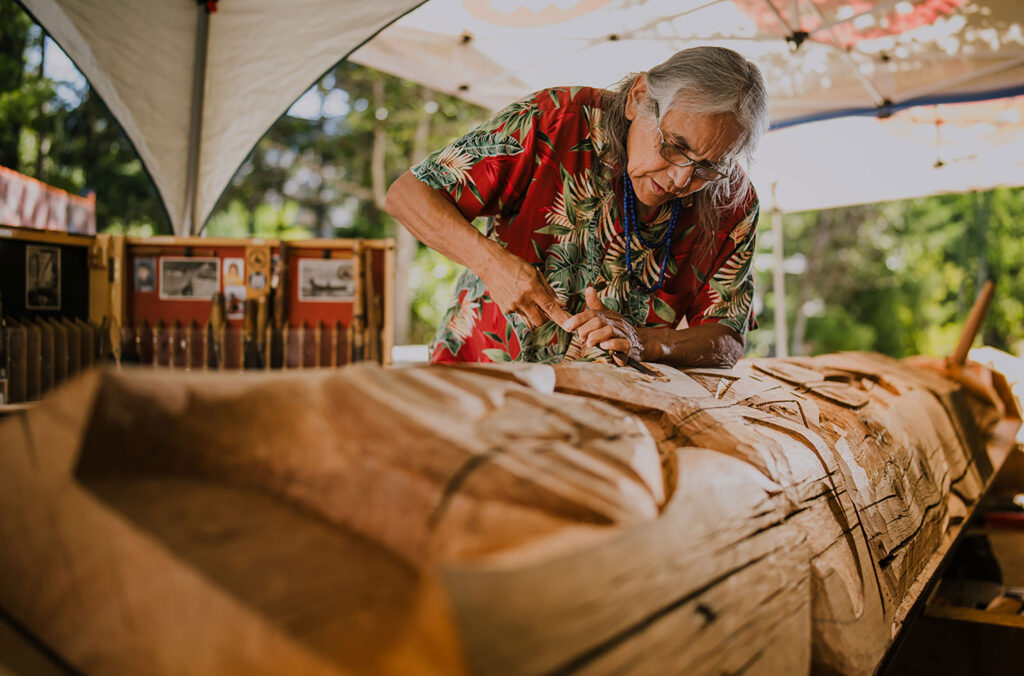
[{"x": 974, "y": 321}]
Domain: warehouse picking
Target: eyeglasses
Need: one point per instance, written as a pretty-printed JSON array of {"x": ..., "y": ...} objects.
[{"x": 702, "y": 169}]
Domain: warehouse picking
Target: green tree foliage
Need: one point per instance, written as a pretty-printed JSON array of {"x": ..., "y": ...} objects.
[
  {"x": 92, "y": 153},
  {"x": 899, "y": 277},
  {"x": 22, "y": 92},
  {"x": 69, "y": 141},
  {"x": 431, "y": 280},
  {"x": 337, "y": 163}
]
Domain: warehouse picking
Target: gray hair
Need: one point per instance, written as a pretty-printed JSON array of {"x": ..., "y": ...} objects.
[{"x": 700, "y": 80}]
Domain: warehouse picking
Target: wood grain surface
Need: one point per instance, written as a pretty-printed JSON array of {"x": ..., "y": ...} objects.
[{"x": 781, "y": 517}]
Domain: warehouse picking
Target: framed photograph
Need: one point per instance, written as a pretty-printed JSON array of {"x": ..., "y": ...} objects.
[
  {"x": 257, "y": 280},
  {"x": 42, "y": 277},
  {"x": 234, "y": 301},
  {"x": 329, "y": 280},
  {"x": 234, "y": 271},
  {"x": 144, "y": 274},
  {"x": 189, "y": 278}
]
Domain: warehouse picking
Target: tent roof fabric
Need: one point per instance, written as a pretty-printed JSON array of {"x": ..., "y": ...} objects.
[
  {"x": 926, "y": 150},
  {"x": 820, "y": 58},
  {"x": 261, "y": 56}
]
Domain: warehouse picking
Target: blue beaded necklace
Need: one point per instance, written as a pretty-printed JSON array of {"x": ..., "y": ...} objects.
[{"x": 631, "y": 228}]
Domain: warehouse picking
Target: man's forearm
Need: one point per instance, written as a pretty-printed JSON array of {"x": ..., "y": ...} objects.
[
  {"x": 712, "y": 345},
  {"x": 513, "y": 284},
  {"x": 436, "y": 222}
]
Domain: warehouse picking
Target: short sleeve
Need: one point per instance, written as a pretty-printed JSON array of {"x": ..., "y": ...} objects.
[
  {"x": 728, "y": 294},
  {"x": 486, "y": 171}
]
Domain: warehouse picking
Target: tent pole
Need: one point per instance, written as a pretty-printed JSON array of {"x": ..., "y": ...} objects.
[
  {"x": 779, "y": 279},
  {"x": 190, "y": 227}
]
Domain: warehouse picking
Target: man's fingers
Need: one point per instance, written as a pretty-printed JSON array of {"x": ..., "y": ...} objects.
[
  {"x": 529, "y": 311},
  {"x": 600, "y": 334},
  {"x": 534, "y": 315},
  {"x": 547, "y": 287},
  {"x": 547, "y": 300},
  {"x": 593, "y": 302},
  {"x": 591, "y": 326},
  {"x": 556, "y": 312},
  {"x": 616, "y": 346},
  {"x": 576, "y": 321}
]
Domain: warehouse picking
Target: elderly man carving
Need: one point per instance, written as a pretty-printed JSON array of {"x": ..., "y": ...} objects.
[{"x": 617, "y": 214}]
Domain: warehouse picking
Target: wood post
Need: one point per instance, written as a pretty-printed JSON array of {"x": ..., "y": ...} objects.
[{"x": 973, "y": 324}]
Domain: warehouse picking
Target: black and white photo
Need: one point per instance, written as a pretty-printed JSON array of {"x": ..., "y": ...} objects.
[
  {"x": 189, "y": 278},
  {"x": 42, "y": 277},
  {"x": 326, "y": 280}
]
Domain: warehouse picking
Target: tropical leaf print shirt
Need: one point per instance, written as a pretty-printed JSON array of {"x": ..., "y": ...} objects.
[{"x": 535, "y": 168}]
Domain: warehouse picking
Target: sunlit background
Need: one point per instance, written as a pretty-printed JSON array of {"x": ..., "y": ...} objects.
[{"x": 892, "y": 276}]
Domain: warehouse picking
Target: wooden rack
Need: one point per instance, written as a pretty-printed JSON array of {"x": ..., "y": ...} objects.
[{"x": 191, "y": 304}]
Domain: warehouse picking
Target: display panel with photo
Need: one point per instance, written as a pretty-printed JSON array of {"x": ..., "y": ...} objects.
[
  {"x": 326, "y": 280},
  {"x": 42, "y": 277},
  {"x": 189, "y": 278}
]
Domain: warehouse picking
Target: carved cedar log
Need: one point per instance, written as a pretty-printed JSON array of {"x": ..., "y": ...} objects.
[{"x": 781, "y": 517}]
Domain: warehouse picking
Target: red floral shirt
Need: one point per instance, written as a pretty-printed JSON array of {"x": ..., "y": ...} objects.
[{"x": 535, "y": 168}]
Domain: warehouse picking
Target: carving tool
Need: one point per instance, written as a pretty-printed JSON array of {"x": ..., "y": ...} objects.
[{"x": 632, "y": 362}]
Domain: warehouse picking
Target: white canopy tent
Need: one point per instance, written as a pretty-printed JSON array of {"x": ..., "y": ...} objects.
[
  {"x": 195, "y": 92},
  {"x": 821, "y": 58},
  {"x": 925, "y": 150},
  {"x": 832, "y": 67}
]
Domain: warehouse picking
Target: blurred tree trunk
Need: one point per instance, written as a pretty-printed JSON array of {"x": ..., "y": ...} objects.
[
  {"x": 405, "y": 243},
  {"x": 982, "y": 214},
  {"x": 322, "y": 225},
  {"x": 779, "y": 280},
  {"x": 43, "y": 141},
  {"x": 380, "y": 139},
  {"x": 810, "y": 280}
]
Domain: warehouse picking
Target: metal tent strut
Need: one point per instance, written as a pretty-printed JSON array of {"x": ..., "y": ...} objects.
[
  {"x": 797, "y": 37},
  {"x": 195, "y": 131}
]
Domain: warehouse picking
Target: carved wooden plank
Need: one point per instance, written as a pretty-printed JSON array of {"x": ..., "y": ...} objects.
[
  {"x": 17, "y": 362},
  {"x": 60, "y": 351},
  {"x": 895, "y": 459},
  {"x": 184, "y": 577},
  {"x": 34, "y": 361},
  {"x": 449, "y": 417},
  {"x": 47, "y": 357},
  {"x": 73, "y": 333},
  {"x": 667, "y": 596},
  {"x": 780, "y": 517},
  {"x": 89, "y": 352}
]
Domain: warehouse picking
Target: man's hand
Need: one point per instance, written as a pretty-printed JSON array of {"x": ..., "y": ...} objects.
[
  {"x": 516, "y": 286},
  {"x": 600, "y": 325}
]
